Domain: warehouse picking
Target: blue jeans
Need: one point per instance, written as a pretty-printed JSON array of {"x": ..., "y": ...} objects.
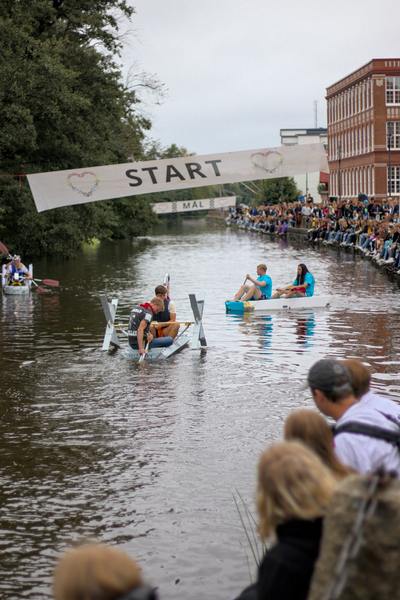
[{"x": 156, "y": 343}]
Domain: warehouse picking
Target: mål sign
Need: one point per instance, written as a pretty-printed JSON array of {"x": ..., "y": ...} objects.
[{"x": 163, "y": 208}]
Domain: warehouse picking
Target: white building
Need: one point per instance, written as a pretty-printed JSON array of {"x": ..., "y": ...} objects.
[{"x": 308, "y": 182}]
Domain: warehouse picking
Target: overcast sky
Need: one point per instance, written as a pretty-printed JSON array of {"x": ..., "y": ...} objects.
[{"x": 237, "y": 71}]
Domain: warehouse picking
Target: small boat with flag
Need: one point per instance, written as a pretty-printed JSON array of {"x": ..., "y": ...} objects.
[
  {"x": 266, "y": 306},
  {"x": 18, "y": 285},
  {"x": 181, "y": 341},
  {"x": 16, "y": 279}
]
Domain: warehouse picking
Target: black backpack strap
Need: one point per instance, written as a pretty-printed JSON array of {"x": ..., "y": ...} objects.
[{"x": 393, "y": 437}]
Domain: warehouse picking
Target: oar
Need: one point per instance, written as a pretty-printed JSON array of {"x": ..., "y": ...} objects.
[
  {"x": 39, "y": 289},
  {"x": 52, "y": 282},
  {"x": 4, "y": 250},
  {"x": 171, "y": 322},
  {"x": 141, "y": 359}
]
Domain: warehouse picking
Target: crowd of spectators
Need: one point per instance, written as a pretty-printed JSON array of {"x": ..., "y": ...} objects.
[{"x": 368, "y": 226}]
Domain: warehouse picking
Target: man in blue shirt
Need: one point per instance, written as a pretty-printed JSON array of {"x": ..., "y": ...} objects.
[{"x": 260, "y": 290}]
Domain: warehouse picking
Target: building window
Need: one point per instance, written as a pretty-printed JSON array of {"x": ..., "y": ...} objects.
[
  {"x": 393, "y": 184},
  {"x": 392, "y": 90},
  {"x": 393, "y": 134}
]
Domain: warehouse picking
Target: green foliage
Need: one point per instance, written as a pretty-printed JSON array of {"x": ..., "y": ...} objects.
[
  {"x": 83, "y": 22},
  {"x": 63, "y": 106},
  {"x": 272, "y": 190}
]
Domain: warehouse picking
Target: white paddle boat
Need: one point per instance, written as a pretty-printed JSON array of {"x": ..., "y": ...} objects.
[{"x": 305, "y": 302}]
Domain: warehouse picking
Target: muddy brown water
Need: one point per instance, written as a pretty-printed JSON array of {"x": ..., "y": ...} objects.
[{"x": 149, "y": 457}]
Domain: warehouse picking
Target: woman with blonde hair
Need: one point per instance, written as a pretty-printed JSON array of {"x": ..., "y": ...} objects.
[
  {"x": 311, "y": 428},
  {"x": 293, "y": 493},
  {"x": 97, "y": 572}
]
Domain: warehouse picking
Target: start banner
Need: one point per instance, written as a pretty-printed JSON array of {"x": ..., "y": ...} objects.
[
  {"x": 77, "y": 186},
  {"x": 163, "y": 208}
]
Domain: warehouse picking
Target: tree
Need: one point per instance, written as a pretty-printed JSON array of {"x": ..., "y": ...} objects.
[
  {"x": 63, "y": 105},
  {"x": 273, "y": 190}
]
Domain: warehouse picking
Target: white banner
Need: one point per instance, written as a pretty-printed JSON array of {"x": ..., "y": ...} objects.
[
  {"x": 77, "y": 186},
  {"x": 163, "y": 208}
]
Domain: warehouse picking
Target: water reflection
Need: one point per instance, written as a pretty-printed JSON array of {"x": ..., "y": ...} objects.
[
  {"x": 305, "y": 330},
  {"x": 148, "y": 456}
]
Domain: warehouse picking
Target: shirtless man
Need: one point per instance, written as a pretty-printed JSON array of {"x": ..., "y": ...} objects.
[
  {"x": 260, "y": 290},
  {"x": 166, "y": 318}
]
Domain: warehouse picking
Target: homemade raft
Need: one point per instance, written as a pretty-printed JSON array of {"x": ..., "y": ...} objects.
[
  {"x": 17, "y": 288},
  {"x": 278, "y": 304},
  {"x": 111, "y": 337}
]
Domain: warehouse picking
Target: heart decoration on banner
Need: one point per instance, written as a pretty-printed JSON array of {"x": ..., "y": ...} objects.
[
  {"x": 267, "y": 161},
  {"x": 162, "y": 207},
  {"x": 86, "y": 184}
]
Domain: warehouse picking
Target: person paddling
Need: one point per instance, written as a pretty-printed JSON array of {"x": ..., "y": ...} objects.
[
  {"x": 260, "y": 290},
  {"x": 139, "y": 327},
  {"x": 302, "y": 286},
  {"x": 16, "y": 271}
]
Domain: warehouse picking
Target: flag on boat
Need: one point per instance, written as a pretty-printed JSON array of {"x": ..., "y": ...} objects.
[{"x": 77, "y": 186}]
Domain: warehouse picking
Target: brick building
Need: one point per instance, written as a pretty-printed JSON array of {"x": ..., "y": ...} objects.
[{"x": 363, "y": 122}]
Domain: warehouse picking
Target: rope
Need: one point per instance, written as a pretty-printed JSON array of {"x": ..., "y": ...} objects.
[{"x": 19, "y": 177}]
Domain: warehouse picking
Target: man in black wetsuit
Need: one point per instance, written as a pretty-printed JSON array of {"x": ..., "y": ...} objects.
[{"x": 139, "y": 326}]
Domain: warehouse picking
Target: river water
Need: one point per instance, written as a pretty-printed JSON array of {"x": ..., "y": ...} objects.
[{"x": 150, "y": 456}]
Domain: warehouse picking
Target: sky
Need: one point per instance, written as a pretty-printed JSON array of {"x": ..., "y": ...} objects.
[{"x": 235, "y": 72}]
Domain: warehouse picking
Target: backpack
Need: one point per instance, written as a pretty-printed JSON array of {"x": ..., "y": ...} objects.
[{"x": 393, "y": 437}]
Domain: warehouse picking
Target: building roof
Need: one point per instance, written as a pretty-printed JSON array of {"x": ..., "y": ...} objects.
[
  {"x": 376, "y": 65},
  {"x": 318, "y": 131}
]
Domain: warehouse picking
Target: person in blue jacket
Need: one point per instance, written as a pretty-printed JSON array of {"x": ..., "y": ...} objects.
[
  {"x": 302, "y": 286},
  {"x": 261, "y": 288}
]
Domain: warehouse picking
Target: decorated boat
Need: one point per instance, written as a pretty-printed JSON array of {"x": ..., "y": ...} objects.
[
  {"x": 305, "y": 302},
  {"x": 180, "y": 342},
  {"x": 18, "y": 286}
]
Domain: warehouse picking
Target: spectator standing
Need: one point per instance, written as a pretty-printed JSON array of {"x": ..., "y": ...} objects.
[{"x": 360, "y": 428}]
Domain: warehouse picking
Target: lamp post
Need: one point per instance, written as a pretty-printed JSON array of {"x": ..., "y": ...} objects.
[
  {"x": 340, "y": 184},
  {"x": 389, "y": 145}
]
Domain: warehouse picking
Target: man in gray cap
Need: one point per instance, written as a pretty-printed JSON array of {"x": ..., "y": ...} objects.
[{"x": 365, "y": 438}]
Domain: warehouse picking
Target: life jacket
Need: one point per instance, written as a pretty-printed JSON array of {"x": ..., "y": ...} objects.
[
  {"x": 15, "y": 270},
  {"x": 139, "y": 314},
  {"x": 165, "y": 315},
  {"x": 20, "y": 272}
]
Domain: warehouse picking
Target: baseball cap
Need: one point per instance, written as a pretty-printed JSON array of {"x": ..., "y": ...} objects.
[{"x": 328, "y": 375}]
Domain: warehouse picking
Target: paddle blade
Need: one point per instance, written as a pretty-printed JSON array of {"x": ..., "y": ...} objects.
[
  {"x": 52, "y": 282},
  {"x": 3, "y": 249},
  {"x": 40, "y": 290}
]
